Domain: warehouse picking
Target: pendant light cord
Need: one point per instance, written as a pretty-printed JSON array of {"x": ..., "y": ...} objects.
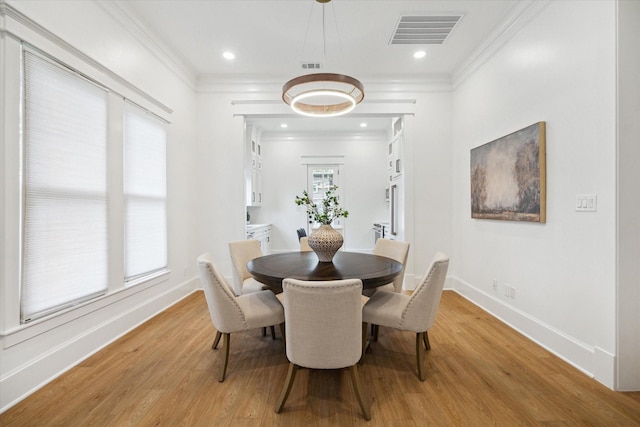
[{"x": 324, "y": 37}]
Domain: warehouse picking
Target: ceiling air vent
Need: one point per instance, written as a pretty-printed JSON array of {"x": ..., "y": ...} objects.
[
  {"x": 311, "y": 66},
  {"x": 424, "y": 29}
]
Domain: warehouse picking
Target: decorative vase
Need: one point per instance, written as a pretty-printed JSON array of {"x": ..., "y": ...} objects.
[{"x": 325, "y": 242}]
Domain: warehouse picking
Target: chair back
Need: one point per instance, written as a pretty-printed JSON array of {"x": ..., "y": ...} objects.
[
  {"x": 304, "y": 244},
  {"x": 226, "y": 314},
  {"x": 301, "y": 232},
  {"x": 396, "y": 250},
  {"x": 242, "y": 251},
  {"x": 420, "y": 311},
  {"x": 323, "y": 322}
]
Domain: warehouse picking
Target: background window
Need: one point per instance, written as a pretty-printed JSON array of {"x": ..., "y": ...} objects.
[{"x": 320, "y": 179}]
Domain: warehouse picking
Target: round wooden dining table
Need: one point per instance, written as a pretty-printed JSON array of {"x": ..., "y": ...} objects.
[{"x": 373, "y": 270}]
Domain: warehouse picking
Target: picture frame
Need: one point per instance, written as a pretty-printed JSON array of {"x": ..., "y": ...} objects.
[{"x": 508, "y": 177}]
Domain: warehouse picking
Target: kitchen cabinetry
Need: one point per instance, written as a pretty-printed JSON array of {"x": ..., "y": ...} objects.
[
  {"x": 395, "y": 165},
  {"x": 261, "y": 233},
  {"x": 395, "y": 150},
  {"x": 253, "y": 168}
]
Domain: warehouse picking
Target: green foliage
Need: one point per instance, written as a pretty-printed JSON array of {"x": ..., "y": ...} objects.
[{"x": 329, "y": 209}]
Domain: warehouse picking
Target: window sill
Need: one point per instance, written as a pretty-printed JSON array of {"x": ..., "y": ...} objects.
[{"x": 36, "y": 327}]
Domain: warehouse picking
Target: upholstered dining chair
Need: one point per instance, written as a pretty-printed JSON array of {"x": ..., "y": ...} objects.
[
  {"x": 396, "y": 250},
  {"x": 230, "y": 313},
  {"x": 301, "y": 232},
  {"x": 304, "y": 244},
  {"x": 324, "y": 329},
  {"x": 243, "y": 251},
  {"x": 415, "y": 312}
]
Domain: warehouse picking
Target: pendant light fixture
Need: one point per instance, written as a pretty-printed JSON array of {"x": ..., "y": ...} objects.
[{"x": 323, "y": 94}]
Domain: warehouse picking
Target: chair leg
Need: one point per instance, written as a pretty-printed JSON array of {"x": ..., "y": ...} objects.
[
  {"x": 227, "y": 341},
  {"x": 216, "y": 340},
  {"x": 375, "y": 333},
  {"x": 355, "y": 378},
  {"x": 288, "y": 384},
  {"x": 281, "y": 325},
  {"x": 264, "y": 331},
  {"x": 273, "y": 333},
  {"x": 419, "y": 341},
  {"x": 427, "y": 345},
  {"x": 364, "y": 342}
]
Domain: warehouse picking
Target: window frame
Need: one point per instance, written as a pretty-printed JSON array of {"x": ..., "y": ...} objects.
[{"x": 116, "y": 283}]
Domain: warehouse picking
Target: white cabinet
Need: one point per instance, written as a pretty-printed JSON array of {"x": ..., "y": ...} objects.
[
  {"x": 253, "y": 168},
  {"x": 395, "y": 151},
  {"x": 256, "y": 188},
  {"x": 261, "y": 233},
  {"x": 394, "y": 158}
]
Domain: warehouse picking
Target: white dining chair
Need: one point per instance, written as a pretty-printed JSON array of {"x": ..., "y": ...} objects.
[
  {"x": 415, "y": 312},
  {"x": 230, "y": 313},
  {"x": 304, "y": 244},
  {"x": 243, "y": 251},
  {"x": 324, "y": 329},
  {"x": 396, "y": 250}
]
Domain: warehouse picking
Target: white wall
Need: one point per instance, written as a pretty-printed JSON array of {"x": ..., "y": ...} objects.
[
  {"x": 363, "y": 178},
  {"x": 86, "y": 36},
  {"x": 220, "y": 208},
  {"x": 428, "y": 182},
  {"x": 559, "y": 68}
]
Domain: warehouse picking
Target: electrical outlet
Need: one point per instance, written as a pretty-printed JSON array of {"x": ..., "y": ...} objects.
[{"x": 494, "y": 285}]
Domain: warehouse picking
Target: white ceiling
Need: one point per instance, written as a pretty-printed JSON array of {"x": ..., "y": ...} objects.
[{"x": 271, "y": 39}]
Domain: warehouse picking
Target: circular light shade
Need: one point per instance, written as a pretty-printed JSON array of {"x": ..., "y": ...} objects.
[{"x": 323, "y": 94}]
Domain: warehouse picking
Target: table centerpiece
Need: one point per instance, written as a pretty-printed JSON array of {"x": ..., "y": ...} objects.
[{"x": 325, "y": 240}]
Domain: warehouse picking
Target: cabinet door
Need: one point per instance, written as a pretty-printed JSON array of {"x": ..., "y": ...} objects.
[
  {"x": 256, "y": 188},
  {"x": 266, "y": 241},
  {"x": 395, "y": 158},
  {"x": 253, "y": 174}
]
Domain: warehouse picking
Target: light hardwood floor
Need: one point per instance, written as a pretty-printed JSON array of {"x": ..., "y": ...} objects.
[{"x": 479, "y": 372}]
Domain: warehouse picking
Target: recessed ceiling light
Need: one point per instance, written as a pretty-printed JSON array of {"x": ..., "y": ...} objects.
[
  {"x": 363, "y": 125},
  {"x": 419, "y": 54},
  {"x": 284, "y": 125},
  {"x": 228, "y": 55}
]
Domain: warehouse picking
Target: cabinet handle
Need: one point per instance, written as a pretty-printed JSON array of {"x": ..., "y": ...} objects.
[
  {"x": 398, "y": 165},
  {"x": 253, "y": 196}
]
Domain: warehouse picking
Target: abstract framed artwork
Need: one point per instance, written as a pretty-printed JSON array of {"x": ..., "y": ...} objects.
[{"x": 508, "y": 177}]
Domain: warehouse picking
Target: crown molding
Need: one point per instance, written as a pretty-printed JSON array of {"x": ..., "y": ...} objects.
[
  {"x": 20, "y": 27},
  {"x": 123, "y": 14},
  {"x": 521, "y": 13}
]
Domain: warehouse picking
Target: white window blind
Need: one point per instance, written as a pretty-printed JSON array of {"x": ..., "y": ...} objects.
[
  {"x": 65, "y": 214},
  {"x": 145, "y": 194}
]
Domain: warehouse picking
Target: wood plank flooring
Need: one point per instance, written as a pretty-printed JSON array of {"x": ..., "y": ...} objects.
[{"x": 479, "y": 372}]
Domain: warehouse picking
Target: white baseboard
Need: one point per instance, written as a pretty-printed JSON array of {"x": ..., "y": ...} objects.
[
  {"x": 590, "y": 360},
  {"x": 47, "y": 364}
]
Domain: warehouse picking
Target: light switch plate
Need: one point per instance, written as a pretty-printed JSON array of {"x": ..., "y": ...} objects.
[{"x": 586, "y": 203}]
